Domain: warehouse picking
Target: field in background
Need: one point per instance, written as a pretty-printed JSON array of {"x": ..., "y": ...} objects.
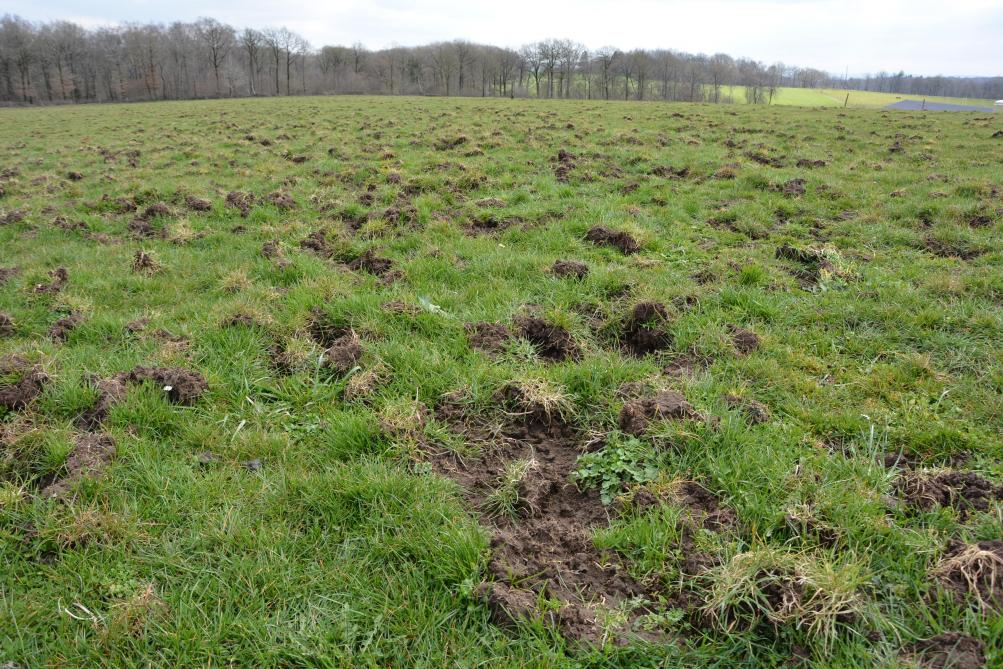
[
  {"x": 826, "y": 97},
  {"x": 325, "y": 382}
]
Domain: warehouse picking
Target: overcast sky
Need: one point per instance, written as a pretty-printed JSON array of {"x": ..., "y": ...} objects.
[{"x": 960, "y": 37}]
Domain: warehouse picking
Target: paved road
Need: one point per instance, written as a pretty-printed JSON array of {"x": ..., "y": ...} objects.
[{"x": 917, "y": 105}]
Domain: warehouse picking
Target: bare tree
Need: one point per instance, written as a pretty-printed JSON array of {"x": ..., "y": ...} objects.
[
  {"x": 218, "y": 39},
  {"x": 62, "y": 62},
  {"x": 252, "y": 41},
  {"x": 533, "y": 58}
]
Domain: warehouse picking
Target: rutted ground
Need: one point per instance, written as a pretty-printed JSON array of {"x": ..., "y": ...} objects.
[{"x": 388, "y": 381}]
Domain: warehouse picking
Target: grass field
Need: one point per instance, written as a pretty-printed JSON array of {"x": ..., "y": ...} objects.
[
  {"x": 312, "y": 391},
  {"x": 829, "y": 97}
]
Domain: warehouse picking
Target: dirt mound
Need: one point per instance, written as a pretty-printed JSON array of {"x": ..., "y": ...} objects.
[
  {"x": 806, "y": 163},
  {"x": 20, "y": 382},
  {"x": 542, "y": 543},
  {"x": 181, "y": 385},
  {"x": 281, "y": 200},
  {"x": 91, "y": 455},
  {"x": 142, "y": 228},
  {"x": 271, "y": 250},
  {"x": 446, "y": 143},
  {"x": 803, "y": 256},
  {"x": 645, "y": 329},
  {"x": 109, "y": 392},
  {"x": 701, "y": 507},
  {"x": 950, "y": 650},
  {"x": 794, "y": 187},
  {"x": 316, "y": 241},
  {"x": 744, "y": 341},
  {"x": 400, "y": 308},
  {"x": 8, "y": 273},
  {"x": 686, "y": 364},
  {"x": 564, "y": 163},
  {"x": 324, "y": 330},
  {"x": 570, "y": 268},
  {"x": 371, "y": 263},
  {"x": 973, "y": 572},
  {"x": 814, "y": 262},
  {"x": 963, "y": 491},
  {"x": 552, "y": 342},
  {"x": 489, "y": 337},
  {"x": 948, "y": 249},
  {"x": 6, "y": 325},
  {"x": 239, "y": 319},
  {"x": 198, "y": 204},
  {"x": 665, "y": 405},
  {"x": 669, "y": 172},
  {"x": 486, "y": 222},
  {"x": 754, "y": 412},
  {"x": 240, "y": 201},
  {"x": 62, "y": 328},
  {"x": 14, "y": 216},
  {"x": 143, "y": 263},
  {"x": 344, "y": 354},
  {"x": 155, "y": 210},
  {"x": 603, "y": 236},
  {"x": 60, "y": 277}
]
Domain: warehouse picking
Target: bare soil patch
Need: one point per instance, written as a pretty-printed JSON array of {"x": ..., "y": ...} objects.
[
  {"x": 59, "y": 278},
  {"x": 182, "y": 386},
  {"x": 91, "y": 455},
  {"x": 488, "y": 337},
  {"x": 61, "y": 329},
  {"x": 20, "y": 382},
  {"x": 973, "y": 573},
  {"x": 950, "y": 650},
  {"x": 344, "y": 354},
  {"x": 546, "y": 547},
  {"x": 637, "y": 414},
  {"x": 963, "y": 491}
]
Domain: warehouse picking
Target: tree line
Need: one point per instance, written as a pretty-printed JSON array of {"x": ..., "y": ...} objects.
[{"x": 62, "y": 62}]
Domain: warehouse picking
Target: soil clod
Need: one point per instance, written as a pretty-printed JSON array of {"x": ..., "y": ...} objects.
[
  {"x": 371, "y": 263},
  {"x": 645, "y": 330},
  {"x": 240, "y": 201},
  {"x": 344, "y": 354},
  {"x": 637, "y": 414},
  {"x": 570, "y": 268},
  {"x": 61, "y": 329},
  {"x": 603, "y": 236},
  {"x": 198, "y": 204},
  {"x": 181, "y": 385},
  {"x": 488, "y": 337},
  {"x": 20, "y": 382},
  {"x": 744, "y": 341},
  {"x": 950, "y": 650},
  {"x": 59, "y": 278},
  {"x": 963, "y": 491},
  {"x": 973, "y": 573},
  {"x": 91, "y": 455},
  {"x": 552, "y": 342}
]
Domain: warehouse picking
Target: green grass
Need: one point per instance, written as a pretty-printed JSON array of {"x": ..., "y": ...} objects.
[
  {"x": 831, "y": 97},
  {"x": 343, "y": 549}
]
